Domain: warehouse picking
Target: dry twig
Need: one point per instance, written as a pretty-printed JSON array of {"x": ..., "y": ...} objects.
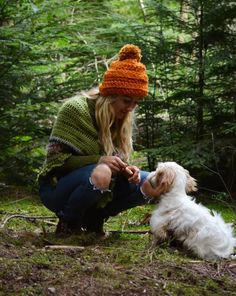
[
  {"x": 64, "y": 247},
  {"x": 29, "y": 218}
]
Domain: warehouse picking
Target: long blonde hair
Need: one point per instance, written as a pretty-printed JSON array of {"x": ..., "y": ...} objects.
[{"x": 114, "y": 136}]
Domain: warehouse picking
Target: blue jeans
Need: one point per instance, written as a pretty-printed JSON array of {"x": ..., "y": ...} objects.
[{"x": 73, "y": 195}]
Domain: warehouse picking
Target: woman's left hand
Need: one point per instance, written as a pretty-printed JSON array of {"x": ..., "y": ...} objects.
[{"x": 132, "y": 173}]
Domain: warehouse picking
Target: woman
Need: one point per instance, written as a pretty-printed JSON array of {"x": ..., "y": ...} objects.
[{"x": 92, "y": 129}]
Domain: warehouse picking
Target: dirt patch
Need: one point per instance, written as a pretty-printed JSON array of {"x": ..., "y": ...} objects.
[{"x": 121, "y": 265}]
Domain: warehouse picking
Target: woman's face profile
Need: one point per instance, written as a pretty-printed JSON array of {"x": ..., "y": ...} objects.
[{"x": 122, "y": 105}]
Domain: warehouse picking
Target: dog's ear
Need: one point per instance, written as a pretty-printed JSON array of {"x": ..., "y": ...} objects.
[
  {"x": 191, "y": 184},
  {"x": 165, "y": 178}
]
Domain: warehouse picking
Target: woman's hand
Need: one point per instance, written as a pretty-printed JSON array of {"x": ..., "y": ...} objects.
[
  {"x": 116, "y": 165},
  {"x": 132, "y": 173},
  {"x": 114, "y": 162}
]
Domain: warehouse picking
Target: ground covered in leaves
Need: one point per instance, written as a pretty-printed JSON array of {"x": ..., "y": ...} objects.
[{"x": 34, "y": 262}]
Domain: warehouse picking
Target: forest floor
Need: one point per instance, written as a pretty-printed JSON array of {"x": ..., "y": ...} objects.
[{"x": 33, "y": 261}]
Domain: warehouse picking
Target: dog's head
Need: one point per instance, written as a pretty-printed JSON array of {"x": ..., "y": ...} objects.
[{"x": 167, "y": 177}]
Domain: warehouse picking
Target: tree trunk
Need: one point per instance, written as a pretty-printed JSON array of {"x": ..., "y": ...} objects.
[{"x": 200, "y": 103}]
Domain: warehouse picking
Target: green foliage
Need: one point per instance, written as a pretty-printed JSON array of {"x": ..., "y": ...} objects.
[
  {"x": 52, "y": 49},
  {"x": 190, "y": 114}
]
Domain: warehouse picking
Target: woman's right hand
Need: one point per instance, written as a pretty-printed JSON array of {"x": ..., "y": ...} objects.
[{"x": 114, "y": 162}]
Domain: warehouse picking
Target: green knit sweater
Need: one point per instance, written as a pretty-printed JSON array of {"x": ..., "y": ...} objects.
[{"x": 73, "y": 142}]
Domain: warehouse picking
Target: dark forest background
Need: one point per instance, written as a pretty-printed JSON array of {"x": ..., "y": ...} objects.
[{"x": 50, "y": 50}]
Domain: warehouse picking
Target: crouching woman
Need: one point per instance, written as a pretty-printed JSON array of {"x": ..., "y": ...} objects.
[{"x": 91, "y": 129}]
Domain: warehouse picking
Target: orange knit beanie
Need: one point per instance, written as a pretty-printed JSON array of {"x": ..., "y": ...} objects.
[{"x": 127, "y": 75}]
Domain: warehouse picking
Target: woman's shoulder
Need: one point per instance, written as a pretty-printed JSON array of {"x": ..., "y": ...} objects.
[
  {"x": 76, "y": 104},
  {"x": 75, "y": 101}
]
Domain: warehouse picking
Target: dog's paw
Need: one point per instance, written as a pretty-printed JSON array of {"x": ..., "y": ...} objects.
[
  {"x": 232, "y": 257},
  {"x": 158, "y": 240}
]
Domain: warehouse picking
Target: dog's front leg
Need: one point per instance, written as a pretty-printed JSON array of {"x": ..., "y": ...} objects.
[{"x": 160, "y": 235}]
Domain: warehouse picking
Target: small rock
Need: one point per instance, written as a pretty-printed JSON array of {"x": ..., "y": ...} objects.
[{"x": 52, "y": 290}]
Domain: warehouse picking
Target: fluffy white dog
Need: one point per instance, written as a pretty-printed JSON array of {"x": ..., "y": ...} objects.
[{"x": 204, "y": 233}]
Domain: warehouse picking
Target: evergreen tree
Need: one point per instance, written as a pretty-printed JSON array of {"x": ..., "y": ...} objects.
[{"x": 191, "y": 110}]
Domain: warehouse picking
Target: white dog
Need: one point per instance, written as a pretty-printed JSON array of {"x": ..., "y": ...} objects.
[{"x": 204, "y": 233}]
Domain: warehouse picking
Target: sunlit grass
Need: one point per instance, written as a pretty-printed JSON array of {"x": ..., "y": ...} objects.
[{"x": 21, "y": 203}]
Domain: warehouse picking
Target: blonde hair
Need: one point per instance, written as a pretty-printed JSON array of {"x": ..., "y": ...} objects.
[{"x": 114, "y": 136}]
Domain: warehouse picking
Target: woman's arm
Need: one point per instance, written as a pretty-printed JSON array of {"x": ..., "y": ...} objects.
[{"x": 77, "y": 161}]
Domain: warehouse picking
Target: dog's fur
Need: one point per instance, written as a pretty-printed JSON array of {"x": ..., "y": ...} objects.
[{"x": 204, "y": 233}]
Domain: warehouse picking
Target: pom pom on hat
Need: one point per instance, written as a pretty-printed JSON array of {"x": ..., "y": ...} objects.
[
  {"x": 130, "y": 51},
  {"x": 127, "y": 75}
]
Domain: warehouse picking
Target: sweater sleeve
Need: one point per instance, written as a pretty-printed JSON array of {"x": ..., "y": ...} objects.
[
  {"x": 59, "y": 163},
  {"x": 77, "y": 161},
  {"x": 73, "y": 142}
]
